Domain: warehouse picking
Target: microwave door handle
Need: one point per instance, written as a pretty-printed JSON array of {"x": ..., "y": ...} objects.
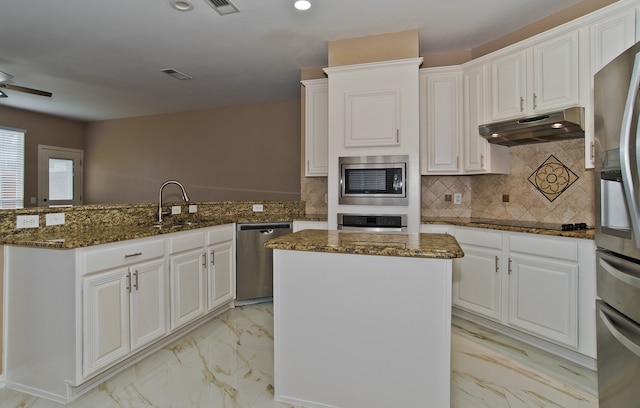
[{"x": 626, "y": 144}]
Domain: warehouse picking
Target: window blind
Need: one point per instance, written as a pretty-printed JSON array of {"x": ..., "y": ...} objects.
[{"x": 11, "y": 168}]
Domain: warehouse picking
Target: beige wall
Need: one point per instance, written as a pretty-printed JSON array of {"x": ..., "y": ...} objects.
[
  {"x": 41, "y": 129},
  {"x": 249, "y": 152},
  {"x": 373, "y": 48}
]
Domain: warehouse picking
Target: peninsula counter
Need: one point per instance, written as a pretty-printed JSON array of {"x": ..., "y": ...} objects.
[{"x": 362, "y": 319}]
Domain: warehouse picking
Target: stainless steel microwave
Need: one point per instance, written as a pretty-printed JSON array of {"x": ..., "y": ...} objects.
[{"x": 373, "y": 180}]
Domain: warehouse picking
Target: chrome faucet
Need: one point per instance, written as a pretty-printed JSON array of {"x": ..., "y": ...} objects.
[{"x": 166, "y": 183}]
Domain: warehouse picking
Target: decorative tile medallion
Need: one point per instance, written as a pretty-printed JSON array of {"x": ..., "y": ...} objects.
[{"x": 552, "y": 178}]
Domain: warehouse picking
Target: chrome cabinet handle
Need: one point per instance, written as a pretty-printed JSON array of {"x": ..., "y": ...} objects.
[
  {"x": 128, "y": 287},
  {"x": 135, "y": 276},
  {"x": 204, "y": 260},
  {"x": 509, "y": 270},
  {"x": 213, "y": 257},
  {"x": 497, "y": 263},
  {"x": 133, "y": 254},
  {"x": 521, "y": 104},
  {"x": 535, "y": 101}
]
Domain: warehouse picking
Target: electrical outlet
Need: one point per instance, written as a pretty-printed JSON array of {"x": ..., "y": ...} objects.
[
  {"x": 176, "y": 209},
  {"x": 54, "y": 219},
  {"x": 27, "y": 221},
  {"x": 457, "y": 198},
  {"x": 258, "y": 208},
  {"x": 193, "y": 208}
]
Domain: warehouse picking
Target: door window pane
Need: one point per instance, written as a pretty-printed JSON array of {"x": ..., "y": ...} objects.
[{"x": 60, "y": 179}]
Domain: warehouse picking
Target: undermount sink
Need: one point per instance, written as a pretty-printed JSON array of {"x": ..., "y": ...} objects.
[{"x": 174, "y": 224}]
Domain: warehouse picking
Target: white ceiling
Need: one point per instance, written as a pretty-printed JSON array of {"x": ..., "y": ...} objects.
[{"x": 102, "y": 58}]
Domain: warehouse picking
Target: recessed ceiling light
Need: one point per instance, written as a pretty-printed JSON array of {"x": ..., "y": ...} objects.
[
  {"x": 302, "y": 5},
  {"x": 182, "y": 5}
]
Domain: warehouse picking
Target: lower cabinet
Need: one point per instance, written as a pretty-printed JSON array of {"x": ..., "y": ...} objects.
[
  {"x": 124, "y": 310},
  {"x": 90, "y": 311},
  {"x": 540, "y": 285}
]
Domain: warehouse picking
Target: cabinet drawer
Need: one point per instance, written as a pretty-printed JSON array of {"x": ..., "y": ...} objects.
[
  {"x": 124, "y": 254},
  {"x": 546, "y": 246},
  {"x": 219, "y": 234},
  {"x": 478, "y": 237},
  {"x": 184, "y": 241}
]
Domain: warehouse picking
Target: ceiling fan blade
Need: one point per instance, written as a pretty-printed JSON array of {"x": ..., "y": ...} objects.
[{"x": 26, "y": 90}]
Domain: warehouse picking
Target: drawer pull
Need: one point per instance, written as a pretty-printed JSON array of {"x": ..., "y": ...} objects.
[{"x": 133, "y": 254}]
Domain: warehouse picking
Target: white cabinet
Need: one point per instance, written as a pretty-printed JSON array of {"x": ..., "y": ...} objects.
[
  {"x": 477, "y": 278},
  {"x": 479, "y": 155},
  {"x": 538, "y": 79},
  {"x": 88, "y": 310},
  {"x": 528, "y": 285},
  {"x": 187, "y": 266},
  {"x": 123, "y": 311},
  {"x": 372, "y": 118},
  {"x": 124, "y": 307},
  {"x": 441, "y": 113},
  {"x": 453, "y": 103},
  {"x": 220, "y": 266},
  {"x": 316, "y": 117},
  {"x": 543, "y": 287}
]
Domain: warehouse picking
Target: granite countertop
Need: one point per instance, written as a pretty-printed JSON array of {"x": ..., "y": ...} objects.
[
  {"x": 442, "y": 246},
  {"x": 531, "y": 227}
]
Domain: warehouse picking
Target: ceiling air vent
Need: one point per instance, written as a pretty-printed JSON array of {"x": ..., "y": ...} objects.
[
  {"x": 223, "y": 7},
  {"x": 176, "y": 74}
]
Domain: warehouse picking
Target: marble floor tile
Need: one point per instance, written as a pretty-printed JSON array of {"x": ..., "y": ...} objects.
[{"x": 228, "y": 363}]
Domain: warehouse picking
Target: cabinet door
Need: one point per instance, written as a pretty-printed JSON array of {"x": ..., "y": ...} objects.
[
  {"x": 443, "y": 114},
  {"x": 220, "y": 274},
  {"x": 105, "y": 319},
  {"x": 508, "y": 86},
  {"x": 147, "y": 303},
  {"x": 555, "y": 73},
  {"x": 477, "y": 281},
  {"x": 316, "y": 127},
  {"x": 187, "y": 286},
  {"x": 610, "y": 36},
  {"x": 474, "y": 146},
  {"x": 372, "y": 118},
  {"x": 543, "y": 297}
]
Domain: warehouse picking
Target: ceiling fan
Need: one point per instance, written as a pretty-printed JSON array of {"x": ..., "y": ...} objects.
[{"x": 3, "y": 85}]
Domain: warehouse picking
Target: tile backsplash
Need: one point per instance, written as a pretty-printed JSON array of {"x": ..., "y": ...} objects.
[{"x": 484, "y": 196}]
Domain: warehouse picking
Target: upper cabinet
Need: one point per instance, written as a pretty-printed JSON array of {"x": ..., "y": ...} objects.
[
  {"x": 316, "y": 134},
  {"x": 453, "y": 102},
  {"x": 373, "y": 105},
  {"x": 537, "y": 79}
]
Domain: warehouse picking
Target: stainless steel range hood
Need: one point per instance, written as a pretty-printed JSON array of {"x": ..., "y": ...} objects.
[{"x": 549, "y": 127}]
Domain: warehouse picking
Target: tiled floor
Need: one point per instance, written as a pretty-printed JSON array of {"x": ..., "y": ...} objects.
[{"x": 228, "y": 363}]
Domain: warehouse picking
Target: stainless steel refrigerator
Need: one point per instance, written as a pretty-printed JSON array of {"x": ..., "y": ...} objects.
[{"x": 617, "y": 187}]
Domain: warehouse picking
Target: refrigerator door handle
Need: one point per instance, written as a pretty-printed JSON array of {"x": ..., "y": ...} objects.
[
  {"x": 619, "y": 275},
  {"x": 628, "y": 177},
  {"x": 624, "y": 340}
]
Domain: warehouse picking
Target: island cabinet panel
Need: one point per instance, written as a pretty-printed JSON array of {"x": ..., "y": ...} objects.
[{"x": 382, "y": 340}]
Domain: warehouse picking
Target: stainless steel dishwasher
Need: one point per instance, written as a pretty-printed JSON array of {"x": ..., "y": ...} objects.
[{"x": 254, "y": 262}]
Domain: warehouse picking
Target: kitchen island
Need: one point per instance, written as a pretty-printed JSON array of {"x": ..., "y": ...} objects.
[{"x": 362, "y": 319}]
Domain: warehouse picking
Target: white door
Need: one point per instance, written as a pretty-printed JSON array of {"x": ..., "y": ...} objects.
[
  {"x": 148, "y": 317},
  {"x": 220, "y": 282},
  {"x": 60, "y": 173},
  {"x": 543, "y": 297},
  {"x": 105, "y": 319},
  {"x": 187, "y": 287},
  {"x": 477, "y": 283}
]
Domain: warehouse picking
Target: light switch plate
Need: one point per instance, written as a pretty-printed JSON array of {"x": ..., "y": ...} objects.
[
  {"x": 457, "y": 198},
  {"x": 193, "y": 208},
  {"x": 54, "y": 219},
  {"x": 176, "y": 209},
  {"x": 27, "y": 221},
  {"x": 258, "y": 208}
]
